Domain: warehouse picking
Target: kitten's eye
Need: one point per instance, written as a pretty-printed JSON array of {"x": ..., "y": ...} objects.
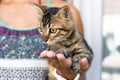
[{"x": 53, "y": 30}]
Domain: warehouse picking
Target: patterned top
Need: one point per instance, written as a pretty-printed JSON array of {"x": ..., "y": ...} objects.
[{"x": 17, "y": 45}]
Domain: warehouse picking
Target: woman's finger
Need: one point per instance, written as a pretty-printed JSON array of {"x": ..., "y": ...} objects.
[
  {"x": 49, "y": 54},
  {"x": 84, "y": 65},
  {"x": 65, "y": 63}
]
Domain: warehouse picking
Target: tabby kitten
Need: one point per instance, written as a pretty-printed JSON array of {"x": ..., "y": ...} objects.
[{"x": 62, "y": 35}]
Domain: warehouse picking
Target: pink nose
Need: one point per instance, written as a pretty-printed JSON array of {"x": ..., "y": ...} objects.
[{"x": 45, "y": 38}]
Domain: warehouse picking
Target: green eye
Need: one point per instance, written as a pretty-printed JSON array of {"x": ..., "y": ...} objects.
[{"x": 53, "y": 30}]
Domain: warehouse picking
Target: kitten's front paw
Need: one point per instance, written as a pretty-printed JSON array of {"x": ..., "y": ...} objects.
[
  {"x": 64, "y": 52},
  {"x": 52, "y": 48},
  {"x": 75, "y": 65},
  {"x": 48, "y": 47}
]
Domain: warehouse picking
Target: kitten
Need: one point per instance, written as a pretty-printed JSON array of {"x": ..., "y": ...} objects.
[{"x": 62, "y": 35}]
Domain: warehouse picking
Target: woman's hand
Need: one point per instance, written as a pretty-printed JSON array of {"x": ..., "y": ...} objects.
[{"x": 63, "y": 65}]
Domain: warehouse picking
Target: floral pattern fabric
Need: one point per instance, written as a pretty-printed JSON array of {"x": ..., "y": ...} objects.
[{"x": 16, "y": 44}]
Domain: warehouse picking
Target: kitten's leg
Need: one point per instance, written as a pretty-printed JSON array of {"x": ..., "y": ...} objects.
[
  {"x": 75, "y": 63},
  {"x": 53, "y": 47},
  {"x": 58, "y": 49}
]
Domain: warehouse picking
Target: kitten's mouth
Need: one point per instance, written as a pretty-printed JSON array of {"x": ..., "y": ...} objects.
[{"x": 45, "y": 40}]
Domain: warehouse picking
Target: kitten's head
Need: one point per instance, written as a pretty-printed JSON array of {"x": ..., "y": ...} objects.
[{"x": 56, "y": 24}]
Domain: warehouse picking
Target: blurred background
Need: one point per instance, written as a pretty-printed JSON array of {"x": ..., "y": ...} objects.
[
  {"x": 101, "y": 21},
  {"x": 111, "y": 40}
]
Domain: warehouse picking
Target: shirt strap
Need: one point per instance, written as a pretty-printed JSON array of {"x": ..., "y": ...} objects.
[{"x": 48, "y": 3}]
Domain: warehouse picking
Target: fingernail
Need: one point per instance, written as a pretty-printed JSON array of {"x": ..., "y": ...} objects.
[
  {"x": 84, "y": 60},
  {"x": 43, "y": 54},
  {"x": 51, "y": 54}
]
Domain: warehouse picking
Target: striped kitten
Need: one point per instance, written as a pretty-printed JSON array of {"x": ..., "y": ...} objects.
[{"x": 62, "y": 35}]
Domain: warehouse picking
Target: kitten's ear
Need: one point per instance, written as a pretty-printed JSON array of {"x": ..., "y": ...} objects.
[
  {"x": 40, "y": 10},
  {"x": 64, "y": 12}
]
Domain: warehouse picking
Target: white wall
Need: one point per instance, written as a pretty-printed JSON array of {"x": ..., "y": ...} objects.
[{"x": 91, "y": 14}]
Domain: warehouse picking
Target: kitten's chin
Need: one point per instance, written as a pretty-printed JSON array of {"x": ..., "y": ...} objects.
[{"x": 50, "y": 42}]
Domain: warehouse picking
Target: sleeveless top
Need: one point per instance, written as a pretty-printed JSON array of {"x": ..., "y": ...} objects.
[{"x": 19, "y": 53}]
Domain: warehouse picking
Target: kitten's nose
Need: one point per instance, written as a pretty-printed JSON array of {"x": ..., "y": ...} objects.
[{"x": 45, "y": 38}]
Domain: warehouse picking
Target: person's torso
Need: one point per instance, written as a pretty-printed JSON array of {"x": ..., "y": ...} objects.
[{"x": 18, "y": 43}]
